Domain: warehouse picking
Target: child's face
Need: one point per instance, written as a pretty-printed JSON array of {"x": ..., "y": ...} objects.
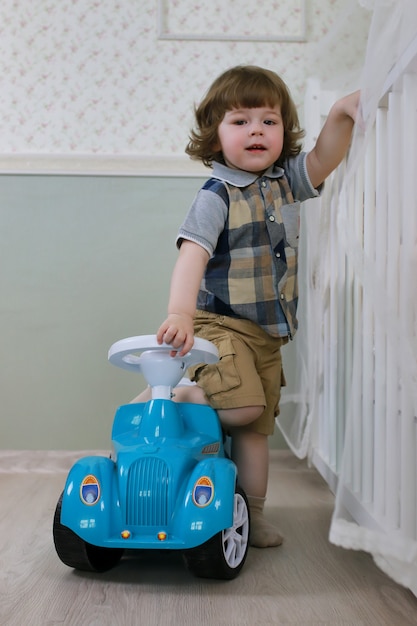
[{"x": 251, "y": 139}]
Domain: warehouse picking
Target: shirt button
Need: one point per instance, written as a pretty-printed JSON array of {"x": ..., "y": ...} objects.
[
  {"x": 271, "y": 218},
  {"x": 263, "y": 184},
  {"x": 282, "y": 296},
  {"x": 278, "y": 254}
]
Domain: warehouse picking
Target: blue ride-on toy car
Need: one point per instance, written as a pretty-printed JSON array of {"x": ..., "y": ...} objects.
[{"x": 168, "y": 483}]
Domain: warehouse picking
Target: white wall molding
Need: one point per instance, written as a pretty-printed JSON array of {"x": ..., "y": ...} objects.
[{"x": 101, "y": 165}]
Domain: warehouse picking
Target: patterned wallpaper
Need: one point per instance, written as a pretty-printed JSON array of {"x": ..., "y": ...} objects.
[{"x": 92, "y": 77}]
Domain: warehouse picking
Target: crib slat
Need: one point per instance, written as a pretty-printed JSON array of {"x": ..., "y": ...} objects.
[
  {"x": 379, "y": 337},
  {"x": 392, "y": 451},
  {"x": 354, "y": 302},
  {"x": 368, "y": 397},
  {"x": 406, "y": 304}
]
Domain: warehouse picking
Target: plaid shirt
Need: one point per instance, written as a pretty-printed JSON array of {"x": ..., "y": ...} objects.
[{"x": 250, "y": 226}]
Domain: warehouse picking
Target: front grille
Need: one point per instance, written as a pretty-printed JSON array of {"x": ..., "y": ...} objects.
[{"x": 147, "y": 493}]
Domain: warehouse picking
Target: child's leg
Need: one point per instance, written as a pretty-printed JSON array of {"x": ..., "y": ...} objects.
[
  {"x": 251, "y": 455},
  {"x": 250, "y": 452}
]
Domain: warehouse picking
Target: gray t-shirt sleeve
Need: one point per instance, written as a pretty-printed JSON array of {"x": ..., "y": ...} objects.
[
  {"x": 204, "y": 221},
  {"x": 296, "y": 172}
]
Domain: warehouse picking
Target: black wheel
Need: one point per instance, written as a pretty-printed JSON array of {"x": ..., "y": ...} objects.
[
  {"x": 223, "y": 555},
  {"x": 79, "y": 554}
]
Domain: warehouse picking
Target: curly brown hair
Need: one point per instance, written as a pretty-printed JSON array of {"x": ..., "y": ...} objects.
[{"x": 245, "y": 86}]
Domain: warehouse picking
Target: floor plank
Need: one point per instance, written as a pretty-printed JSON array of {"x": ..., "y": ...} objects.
[{"x": 306, "y": 582}]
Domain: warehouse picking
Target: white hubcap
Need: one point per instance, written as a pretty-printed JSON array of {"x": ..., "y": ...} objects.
[{"x": 235, "y": 538}]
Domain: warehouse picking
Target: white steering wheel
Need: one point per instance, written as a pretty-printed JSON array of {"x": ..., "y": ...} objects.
[{"x": 154, "y": 361}]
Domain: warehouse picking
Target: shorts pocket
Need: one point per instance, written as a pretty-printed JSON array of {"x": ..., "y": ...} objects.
[{"x": 221, "y": 376}]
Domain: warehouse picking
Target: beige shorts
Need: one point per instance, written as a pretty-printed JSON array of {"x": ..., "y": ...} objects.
[{"x": 249, "y": 371}]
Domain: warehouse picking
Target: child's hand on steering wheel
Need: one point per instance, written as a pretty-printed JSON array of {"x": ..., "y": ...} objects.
[{"x": 178, "y": 331}]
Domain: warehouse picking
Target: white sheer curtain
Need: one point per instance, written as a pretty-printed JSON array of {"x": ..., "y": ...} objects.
[{"x": 355, "y": 400}]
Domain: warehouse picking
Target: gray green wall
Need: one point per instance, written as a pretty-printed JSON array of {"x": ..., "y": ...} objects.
[{"x": 84, "y": 261}]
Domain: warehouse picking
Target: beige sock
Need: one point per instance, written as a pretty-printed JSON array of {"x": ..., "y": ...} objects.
[{"x": 263, "y": 534}]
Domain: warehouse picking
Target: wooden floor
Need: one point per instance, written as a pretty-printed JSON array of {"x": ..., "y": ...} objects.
[{"x": 307, "y": 581}]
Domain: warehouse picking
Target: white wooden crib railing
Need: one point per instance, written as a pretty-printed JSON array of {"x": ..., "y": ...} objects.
[{"x": 360, "y": 314}]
